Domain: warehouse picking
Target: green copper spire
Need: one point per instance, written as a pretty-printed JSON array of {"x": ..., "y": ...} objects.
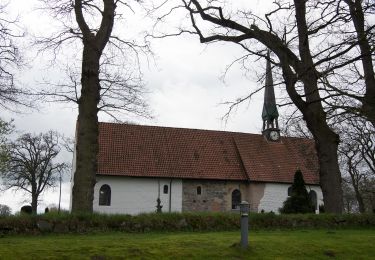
[{"x": 270, "y": 113}]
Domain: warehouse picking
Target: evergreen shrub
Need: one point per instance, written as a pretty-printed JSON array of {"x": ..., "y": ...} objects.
[{"x": 299, "y": 201}]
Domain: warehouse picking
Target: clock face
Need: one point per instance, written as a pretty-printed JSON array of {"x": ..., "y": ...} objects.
[{"x": 274, "y": 135}]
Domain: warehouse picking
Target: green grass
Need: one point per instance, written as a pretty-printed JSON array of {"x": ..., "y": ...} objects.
[{"x": 297, "y": 244}]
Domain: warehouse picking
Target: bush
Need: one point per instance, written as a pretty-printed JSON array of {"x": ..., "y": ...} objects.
[{"x": 27, "y": 209}]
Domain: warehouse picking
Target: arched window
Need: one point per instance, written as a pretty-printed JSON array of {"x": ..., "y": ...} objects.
[
  {"x": 199, "y": 190},
  {"x": 105, "y": 195},
  {"x": 165, "y": 189},
  {"x": 290, "y": 191},
  {"x": 236, "y": 199},
  {"x": 313, "y": 199}
]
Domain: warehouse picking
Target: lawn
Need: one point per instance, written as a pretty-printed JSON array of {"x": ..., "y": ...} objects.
[{"x": 298, "y": 244}]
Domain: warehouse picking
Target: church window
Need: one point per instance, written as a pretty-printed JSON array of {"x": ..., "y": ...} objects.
[
  {"x": 290, "y": 191},
  {"x": 199, "y": 190},
  {"x": 165, "y": 189},
  {"x": 236, "y": 199},
  {"x": 313, "y": 199},
  {"x": 105, "y": 195}
]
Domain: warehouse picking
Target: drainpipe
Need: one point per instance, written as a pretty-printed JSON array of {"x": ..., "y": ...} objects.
[{"x": 170, "y": 196}]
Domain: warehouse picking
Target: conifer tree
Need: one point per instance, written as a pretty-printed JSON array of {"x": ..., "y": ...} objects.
[{"x": 299, "y": 201}]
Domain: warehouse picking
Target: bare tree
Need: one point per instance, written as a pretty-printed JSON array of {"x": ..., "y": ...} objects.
[
  {"x": 350, "y": 201},
  {"x": 357, "y": 159},
  {"x": 315, "y": 43},
  {"x": 31, "y": 164},
  {"x": 299, "y": 70},
  {"x": 11, "y": 93},
  {"x": 6, "y": 128},
  {"x": 5, "y": 210},
  {"x": 106, "y": 82}
]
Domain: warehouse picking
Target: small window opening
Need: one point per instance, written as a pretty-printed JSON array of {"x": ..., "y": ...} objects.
[
  {"x": 165, "y": 189},
  {"x": 105, "y": 195},
  {"x": 313, "y": 199},
  {"x": 236, "y": 199},
  {"x": 199, "y": 190}
]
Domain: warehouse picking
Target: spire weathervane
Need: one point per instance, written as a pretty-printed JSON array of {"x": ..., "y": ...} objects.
[{"x": 270, "y": 114}]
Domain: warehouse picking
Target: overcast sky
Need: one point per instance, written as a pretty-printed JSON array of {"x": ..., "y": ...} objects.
[{"x": 184, "y": 84}]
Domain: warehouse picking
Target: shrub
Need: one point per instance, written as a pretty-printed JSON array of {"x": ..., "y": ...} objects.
[{"x": 27, "y": 209}]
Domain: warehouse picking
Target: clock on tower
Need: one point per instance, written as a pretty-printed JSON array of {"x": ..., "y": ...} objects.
[{"x": 270, "y": 114}]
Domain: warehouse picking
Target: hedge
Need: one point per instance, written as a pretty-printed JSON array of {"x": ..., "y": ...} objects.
[{"x": 171, "y": 222}]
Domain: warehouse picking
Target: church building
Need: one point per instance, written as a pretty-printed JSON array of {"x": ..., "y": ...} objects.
[{"x": 142, "y": 168}]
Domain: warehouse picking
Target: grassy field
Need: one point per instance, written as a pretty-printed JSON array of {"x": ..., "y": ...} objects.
[{"x": 298, "y": 244}]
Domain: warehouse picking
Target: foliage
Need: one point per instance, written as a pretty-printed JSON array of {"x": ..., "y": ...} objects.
[
  {"x": 5, "y": 210},
  {"x": 32, "y": 165},
  {"x": 299, "y": 201}
]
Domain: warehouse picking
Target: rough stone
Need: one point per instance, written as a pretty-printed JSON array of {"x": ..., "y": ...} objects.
[{"x": 44, "y": 226}]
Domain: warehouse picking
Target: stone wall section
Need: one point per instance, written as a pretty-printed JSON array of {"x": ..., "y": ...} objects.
[{"x": 216, "y": 196}]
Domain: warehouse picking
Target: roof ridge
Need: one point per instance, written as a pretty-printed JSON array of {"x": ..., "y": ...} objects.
[
  {"x": 178, "y": 128},
  {"x": 247, "y": 174}
]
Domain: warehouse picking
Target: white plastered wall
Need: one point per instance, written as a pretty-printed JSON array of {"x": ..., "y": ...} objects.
[
  {"x": 275, "y": 194},
  {"x": 138, "y": 195}
]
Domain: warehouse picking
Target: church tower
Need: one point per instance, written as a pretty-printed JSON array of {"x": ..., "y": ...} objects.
[{"x": 270, "y": 114}]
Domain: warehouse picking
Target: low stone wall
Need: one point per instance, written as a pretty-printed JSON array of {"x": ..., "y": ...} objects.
[{"x": 174, "y": 222}]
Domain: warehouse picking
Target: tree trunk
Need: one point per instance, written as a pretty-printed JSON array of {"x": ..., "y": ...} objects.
[
  {"x": 87, "y": 146},
  {"x": 326, "y": 141},
  {"x": 34, "y": 203},
  {"x": 87, "y": 133},
  {"x": 355, "y": 184},
  {"x": 330, "y": 177},
  {"x": 361, "y": 204}
]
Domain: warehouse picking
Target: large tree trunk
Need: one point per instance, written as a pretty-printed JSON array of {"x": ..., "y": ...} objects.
[
  {"x": 330, "y": 178},
  {"x": 326, "y": 141},
  {"x": 87, "y": 133},
  {"x": 87, "y": 129}
]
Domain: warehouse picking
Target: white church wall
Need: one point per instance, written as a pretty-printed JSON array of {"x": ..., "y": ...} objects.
[
  {"x": 74, "y": 163},
  {"x": 138, "y": 195},
  {"x": 275, "y": 194}
]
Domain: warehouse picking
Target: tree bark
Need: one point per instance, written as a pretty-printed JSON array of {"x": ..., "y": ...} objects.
[
  {"x": 34, "y": 200},
  {"x": 87, "y": 134},
  {"x": 326, "y": 143}
]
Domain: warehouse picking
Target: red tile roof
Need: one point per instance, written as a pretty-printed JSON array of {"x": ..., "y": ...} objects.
[{"x": 152, "y": 151}]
